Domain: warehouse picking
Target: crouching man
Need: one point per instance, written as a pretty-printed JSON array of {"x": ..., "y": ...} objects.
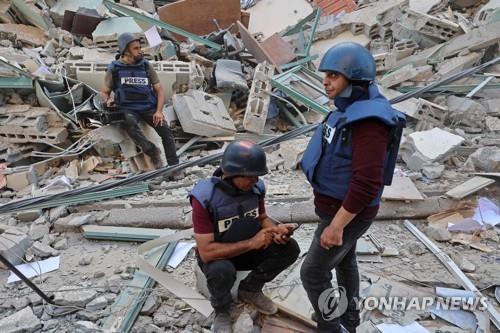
[{"x": 233, "y": 232}]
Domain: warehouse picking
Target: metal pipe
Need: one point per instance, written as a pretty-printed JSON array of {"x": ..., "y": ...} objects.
[{"x": 48, "y": 299}]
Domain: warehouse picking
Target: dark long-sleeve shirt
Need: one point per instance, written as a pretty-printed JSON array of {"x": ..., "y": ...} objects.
[{"x": 370, "y": 139}]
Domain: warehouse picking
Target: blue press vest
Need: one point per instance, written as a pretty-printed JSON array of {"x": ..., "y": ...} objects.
[
  {"x": 235, "y": 214},
  {"x": 327, "y": 161},
  {"x": 132, "y": 86}
]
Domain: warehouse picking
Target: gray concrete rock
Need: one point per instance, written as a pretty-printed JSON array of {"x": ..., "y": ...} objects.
[
  {"x": 85, "y": 260},
  {"x": 438, "y": 234},
  {"x": 86, "y": 327},
  {"x": 244, "y": 323},
  {"x": 42, "y": 250},
  {"x": 433, "y": 171},
  {"x": 74, "y": 295},
  {"x": 37, "y": 231},
  {"x": 61, "y": 244},
  {"x": 21, "y": 321},
  {"x": 97, "y": 304},
  {"x": 150, "y": 306},
  {"x": 29, "y": 215},
  {"x": 417, "y": 248},
  {"x": 485, "y": 159}
]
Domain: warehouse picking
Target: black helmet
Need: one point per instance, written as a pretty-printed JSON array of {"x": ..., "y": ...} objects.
[{"x": 244, "y": 158}]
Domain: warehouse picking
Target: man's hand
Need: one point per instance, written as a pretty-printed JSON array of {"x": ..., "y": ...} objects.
[
  {"x": 263, "y": 238},
  {"x": 331, "y": 236},
  {"x": 285, "y": 231},
  {"x": 109, "y": 102},
  {"x": 158, "y": 118}
]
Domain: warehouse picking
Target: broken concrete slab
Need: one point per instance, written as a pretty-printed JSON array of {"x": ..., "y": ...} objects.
[
  {"x": 458, "y": 64},
  {"x": 106, "y": 33},
  {"x": 21, "y": 321},
  {"x": 492, "y": 123},
  {"x": 465, "y": 111},
  {"x": 398, "y": 76},
  {"x": 202, "y": 114},
  {"x": 42, "y": 250},
  {"x": 402, "y": 188},
  {"x": 28, "y": 35},
  {"x": 74, "y": 295},
  {"x": 428, "y": 146},
  {"x": 485, "y": 159},
  {"x": 13, "y": 245},
  {"x": 469, "y": 187},
  {"x": 433, "y": 171}
]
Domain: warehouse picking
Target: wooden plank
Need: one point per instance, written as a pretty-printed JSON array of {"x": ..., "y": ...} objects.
[
  {"x": 275, "y": 324},
  {"x": 454, "y": 270},
  {"x": 402, "y": 188},
  {"x": 254, "y": 47},
  {"x": 123, "y": 233},
  {"x": 128, "y": 304},
  {"x": 280, "y": 51},
  {"x": 469, "y": 187}
]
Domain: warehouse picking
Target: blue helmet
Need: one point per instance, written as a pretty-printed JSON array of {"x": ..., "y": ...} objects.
[
  {"x": 350, "y": 59},
  {"x": 124, "y": 39}
]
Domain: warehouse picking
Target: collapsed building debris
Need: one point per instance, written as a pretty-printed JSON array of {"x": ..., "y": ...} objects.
[{"x": 231, "y": 70}]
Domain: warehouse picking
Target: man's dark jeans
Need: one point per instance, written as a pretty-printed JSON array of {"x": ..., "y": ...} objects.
[
  {"x": 131, "y": 125},
  {"x": 316, "y": 272},
  {"x": 264, "y": 264}
]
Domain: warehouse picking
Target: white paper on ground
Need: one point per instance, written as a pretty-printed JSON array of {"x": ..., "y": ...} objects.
[
  {"x": 180, "y": 252},
  {"x": 152, "y": 36},
  {"x": 487, "y": 212},
  {"x": 33, "y": 268},
  {"x": 395, "y": 328}
]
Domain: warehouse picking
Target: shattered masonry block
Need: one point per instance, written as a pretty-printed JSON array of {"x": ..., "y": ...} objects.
[
  {"x": 13, "y": 246},
  {"x": 38, "y": 122},
  {"x": 106, "y": 33},
  {"x": 432, "y": 26},
  {"x": 202, "y": 114},
  {"x": 258, "y": 99},
  {"x": 380, "y": 61},
  {"x": 398, "y": 76},
  {"x": 175, "y": 76},
  {"x": 18, "y": 134},
  {"x": 458, "y": 64},
  {"x": 404, "y": 48},
  {"x": 141, "y": 162},
  {"x": 426, "y": 147},
  {"x": 21, "y": 321}
]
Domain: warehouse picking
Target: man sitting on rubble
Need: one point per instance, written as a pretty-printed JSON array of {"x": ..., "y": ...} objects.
[
  {"x": 233, "y": 232},
  {"x": 139, "y": 95}
]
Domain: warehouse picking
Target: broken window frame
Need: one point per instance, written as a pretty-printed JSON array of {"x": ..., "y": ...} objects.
[{"x": 279, "y": 80}]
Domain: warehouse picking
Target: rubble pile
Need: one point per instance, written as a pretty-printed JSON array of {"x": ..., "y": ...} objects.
[{"x": 233, "y": 70}]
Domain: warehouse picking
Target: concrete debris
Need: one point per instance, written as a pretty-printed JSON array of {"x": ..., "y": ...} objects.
[
  {"x": 429, "y": 146},
  {"x": 233, "y": 70},
  {"x": 13, "y": 245},
  {"x": 21, "y": 321},
  {"x": 203, "y": 114},
  {"x": 485, "y": 159},
  {"x": 74, "y": 295}
]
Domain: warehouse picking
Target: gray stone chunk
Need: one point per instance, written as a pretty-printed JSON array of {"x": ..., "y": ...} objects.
[
  {"x": 42, "y": 250},
  {"x": 21, "y": 321},
  {"x": 37, "y": 231},
  {"x": 86, "y": 327},
  {"x": 97, "y": 304},
  {"x": 13, "y": 245},
  {"x": 29, "y": 215},
  {"x": 485, "y": 159},
  {"x": 438, "y": 234},
  {"x": 74, "y": 295},
  {"x": 464, "y": 111}
]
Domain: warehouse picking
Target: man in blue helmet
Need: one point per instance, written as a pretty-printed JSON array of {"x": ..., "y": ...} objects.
[
  {"x": 139, "y": 95},
  {"x": 233, "y": 232},
  {"x": 349, "y": 159}
]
